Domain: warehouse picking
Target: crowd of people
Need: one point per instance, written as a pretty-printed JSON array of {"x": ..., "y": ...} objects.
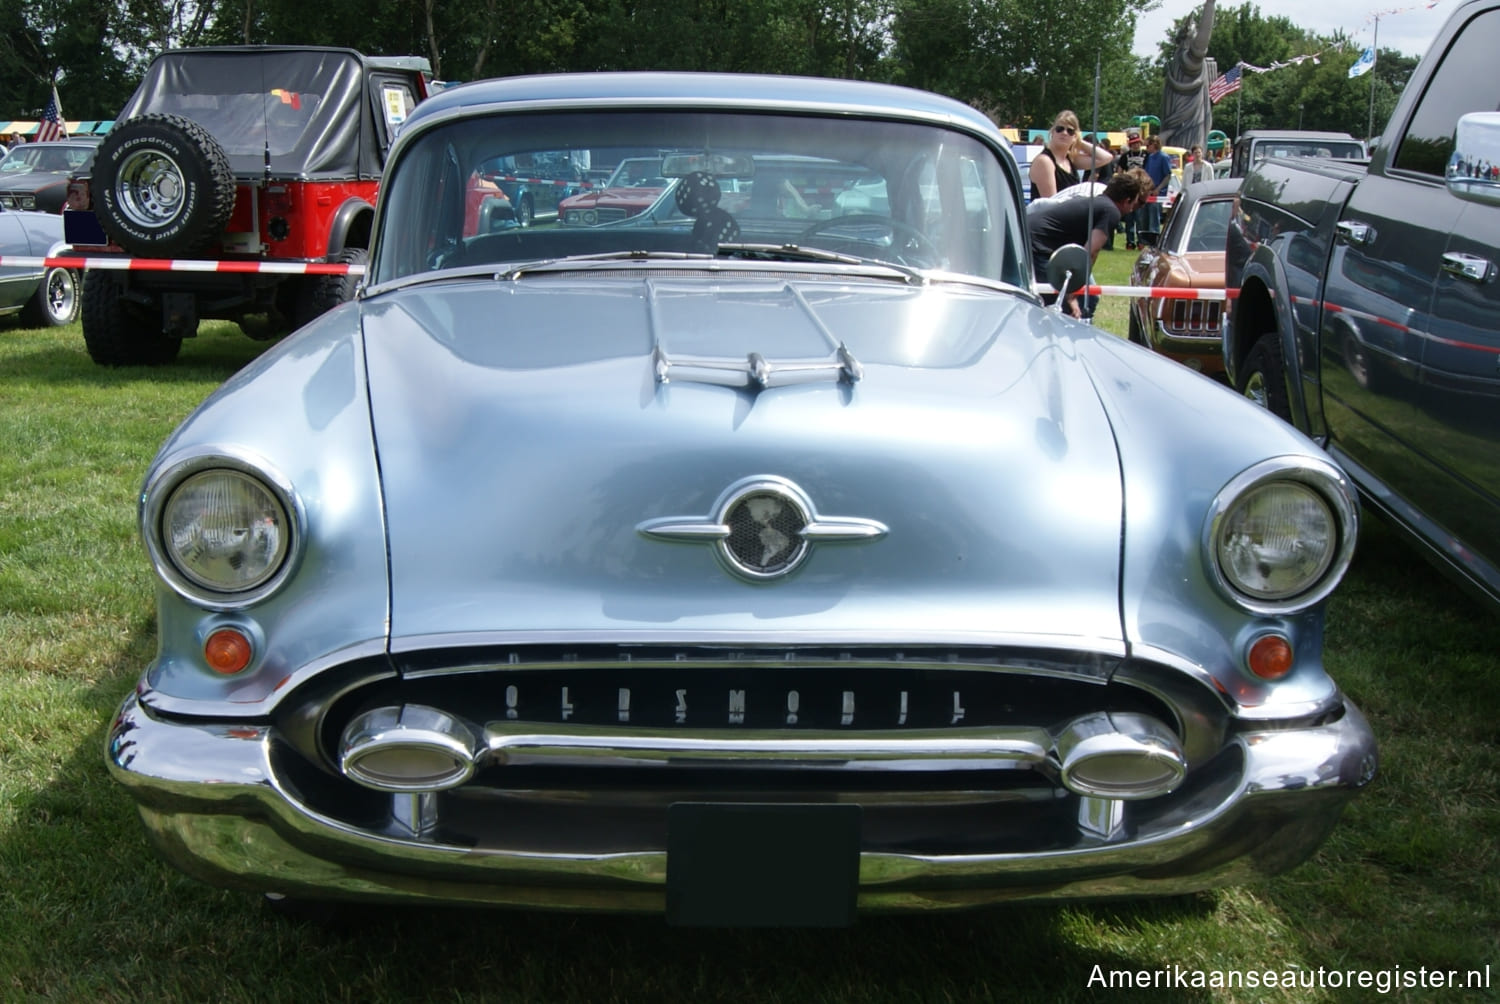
[{"x": 1083, "y": 192}]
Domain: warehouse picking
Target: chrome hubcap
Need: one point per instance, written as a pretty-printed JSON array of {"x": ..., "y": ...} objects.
[
  {"x": 150, "y": 188},
  {"x": 61, "y": 292},
  {"x": 1255, "y": 389}
]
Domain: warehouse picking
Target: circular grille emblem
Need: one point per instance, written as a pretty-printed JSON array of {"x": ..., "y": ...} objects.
[
  {"x": 763, "y": 527},
  {"x": 765, "y": 533}
]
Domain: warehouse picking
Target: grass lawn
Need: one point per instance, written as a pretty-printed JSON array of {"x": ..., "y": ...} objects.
[{"x": 1410, "y": 879}]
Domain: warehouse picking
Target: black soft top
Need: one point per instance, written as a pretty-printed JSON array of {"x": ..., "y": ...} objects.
[{"x": 308, "y": 107}]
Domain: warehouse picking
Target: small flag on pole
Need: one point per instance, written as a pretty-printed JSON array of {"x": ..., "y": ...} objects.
[
  {"x": 1364, "y": 64},
  {"x": 52, "y": 125},
  {"x": 1224, "y": 84}
]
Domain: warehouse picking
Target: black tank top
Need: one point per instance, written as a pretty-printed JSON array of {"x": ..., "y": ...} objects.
[{"x": 1065, "y": 179}]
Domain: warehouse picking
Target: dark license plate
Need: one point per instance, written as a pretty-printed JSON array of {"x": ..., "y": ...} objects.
[{"x": 754, "y": 865}]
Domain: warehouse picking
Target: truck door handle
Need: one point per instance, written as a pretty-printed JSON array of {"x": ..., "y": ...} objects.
[
  {"x": 1468, "y": 266},
  {"x": 1356, "y": 233}
]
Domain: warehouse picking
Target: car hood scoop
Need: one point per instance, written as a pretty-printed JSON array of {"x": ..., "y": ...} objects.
[{"x": 566, "y": 459}]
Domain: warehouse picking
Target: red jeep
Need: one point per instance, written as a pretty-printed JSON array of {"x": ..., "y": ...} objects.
[{"x": 236, "y": 153}]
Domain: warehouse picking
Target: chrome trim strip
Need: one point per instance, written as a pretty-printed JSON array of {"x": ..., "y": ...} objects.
[
  {"x": 784, "y": 639},
  {"x": 514, "y": 744}
]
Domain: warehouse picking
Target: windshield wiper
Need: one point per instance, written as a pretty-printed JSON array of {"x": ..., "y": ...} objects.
[{"x": 796, "y": 252}]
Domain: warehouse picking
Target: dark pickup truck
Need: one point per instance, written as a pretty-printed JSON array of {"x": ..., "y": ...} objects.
[{"x": 1368, "y": 311}]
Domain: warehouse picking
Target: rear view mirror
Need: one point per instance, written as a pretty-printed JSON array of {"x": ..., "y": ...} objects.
[{"x": 1068, "y": 270}]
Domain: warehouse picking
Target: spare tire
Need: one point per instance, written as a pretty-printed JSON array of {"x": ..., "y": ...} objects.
[{"x": 162, "y": 186}]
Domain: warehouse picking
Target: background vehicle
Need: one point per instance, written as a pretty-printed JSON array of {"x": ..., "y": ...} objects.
[
  {"x": 1369, "y": 315},
  {"x": 36, "y": 175},
  {"x": 1189, "y": 254},
  {"x": 239, "y": 153},
  {"x": 630, "y": 190},
  {"x": 1277, "y": 144},
  {"x": 38, "y": 297},
  {"x": 536, "y": 184}
]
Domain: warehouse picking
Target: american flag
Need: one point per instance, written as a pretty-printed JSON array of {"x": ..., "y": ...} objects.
[
  {"x": 52, "y": 125},
  {"x": 1226, "y": 83}
]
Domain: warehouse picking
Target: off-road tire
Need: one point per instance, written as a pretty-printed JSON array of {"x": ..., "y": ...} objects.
[
  {"x": 117, "y": 332},
  {"x": 162, "y": 186},
  {"x": 324, "y": 292},
  {"x": 55, "y": 302},
  {"x": 1263, "y": 376}
]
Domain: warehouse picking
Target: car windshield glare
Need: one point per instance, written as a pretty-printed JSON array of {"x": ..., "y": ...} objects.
[{"x": 912, "y": 194}]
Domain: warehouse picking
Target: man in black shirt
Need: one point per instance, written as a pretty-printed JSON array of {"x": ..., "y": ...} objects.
[{"x": 1065, "y": 219}]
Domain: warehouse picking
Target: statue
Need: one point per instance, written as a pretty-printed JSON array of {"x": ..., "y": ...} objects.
[{"x": 1186, "y": 113}]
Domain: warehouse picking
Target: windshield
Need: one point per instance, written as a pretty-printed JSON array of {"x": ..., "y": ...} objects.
[
  {"x": 1304, "y": 148},
  {"x": 914, "y": 195},
  {"x": 36, "y": 157}
]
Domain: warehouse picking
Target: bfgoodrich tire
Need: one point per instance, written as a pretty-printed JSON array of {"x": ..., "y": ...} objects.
[
  {"x": 162, "y": 186},
  {"x": 324, "y": 292},
  {"x": 118, "y": 332}
]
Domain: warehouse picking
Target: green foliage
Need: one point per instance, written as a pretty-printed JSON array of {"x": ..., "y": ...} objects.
[
  {"x": 1020, "y": 61},
  {"x": 1311, "y": 94}
]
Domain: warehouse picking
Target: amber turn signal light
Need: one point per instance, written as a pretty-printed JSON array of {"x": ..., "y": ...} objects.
[
  {"x": 1270, "y": 657},
  {"x": 227, "y": 651}
]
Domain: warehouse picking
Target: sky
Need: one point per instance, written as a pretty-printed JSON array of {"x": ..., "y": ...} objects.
[{"x": 1405, "y": 25}]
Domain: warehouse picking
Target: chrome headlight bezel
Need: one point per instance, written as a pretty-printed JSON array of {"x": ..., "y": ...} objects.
[
  {"x": 158, "y": 493},
  {"x": 1323, "y": 480}
]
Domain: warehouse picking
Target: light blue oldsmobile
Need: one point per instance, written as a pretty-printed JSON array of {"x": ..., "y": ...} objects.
[{"x": 755, "y": 559}]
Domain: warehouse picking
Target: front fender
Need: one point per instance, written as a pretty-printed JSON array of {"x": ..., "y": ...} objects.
[{"x": 351, "y": 227}]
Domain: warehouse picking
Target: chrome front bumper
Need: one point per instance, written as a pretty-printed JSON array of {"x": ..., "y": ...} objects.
[{"x": 212, "y": 800}]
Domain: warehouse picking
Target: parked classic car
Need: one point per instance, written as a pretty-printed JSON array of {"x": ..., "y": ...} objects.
[
  {"x": 38, "y": 297},
  {"x": 35, "y": 175},
  {"x": 753, "y": 570},
  {"x": 1189, "y": 254},
  {"x": 1280, "y": 144},
  {"x": 247, "y": 154},
  {"x": 631, "y": 189}
]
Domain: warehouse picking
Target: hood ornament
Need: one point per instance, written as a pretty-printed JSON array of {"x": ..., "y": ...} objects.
[{"x": 763, "y": 527}]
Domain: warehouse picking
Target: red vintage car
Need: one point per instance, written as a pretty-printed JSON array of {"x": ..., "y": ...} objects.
[{"x": 1189, "y": 254}]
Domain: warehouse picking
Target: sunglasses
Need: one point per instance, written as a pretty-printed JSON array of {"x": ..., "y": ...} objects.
[{"x": 1067, "y": 129}]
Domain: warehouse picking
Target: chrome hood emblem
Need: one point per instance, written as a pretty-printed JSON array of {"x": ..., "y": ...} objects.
[{"x": 763, "y": 527}]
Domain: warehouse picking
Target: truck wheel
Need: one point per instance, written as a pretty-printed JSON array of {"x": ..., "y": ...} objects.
[
  {"x": 162, "y": 186},
  {"x": 322, "y": 293},
  {"x": 525, "y": 211},
  {"x": 117, "y": 332},
  {"x": 1263, "y": 376},
  {"x": 55, "y": 302}
]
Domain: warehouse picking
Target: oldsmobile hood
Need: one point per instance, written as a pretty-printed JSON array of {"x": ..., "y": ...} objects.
[{"x": 648, "y": 458}]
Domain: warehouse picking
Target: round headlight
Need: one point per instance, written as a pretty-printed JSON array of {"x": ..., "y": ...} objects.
[
  {"x": 225, "y": 530},
  {"x": 1279, "y": 543}
]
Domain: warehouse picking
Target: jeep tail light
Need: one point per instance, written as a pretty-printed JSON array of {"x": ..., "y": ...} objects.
[{"x": 78, "y": 194}]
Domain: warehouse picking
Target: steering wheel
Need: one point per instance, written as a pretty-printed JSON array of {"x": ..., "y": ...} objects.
[{"x": 915, "y": 241}]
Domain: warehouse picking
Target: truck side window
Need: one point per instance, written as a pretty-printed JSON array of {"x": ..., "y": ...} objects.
[{"x": 1464, "y": 82}]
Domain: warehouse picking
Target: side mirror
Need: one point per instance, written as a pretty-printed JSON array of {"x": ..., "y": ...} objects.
[
  {"x": 1147, "y": 238},
  {"x": 1068, "y": 270},
  {"x": 1474, "y": 169}
]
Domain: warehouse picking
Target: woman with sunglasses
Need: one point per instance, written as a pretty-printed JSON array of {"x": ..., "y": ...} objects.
[{"x": 1056, "y": 166}]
